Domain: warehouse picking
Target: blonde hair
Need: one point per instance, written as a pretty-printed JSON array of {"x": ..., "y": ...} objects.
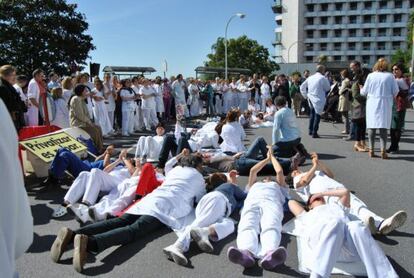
[
  {"x": 6, "y": 70},
  {"x": 67, "y": 83},
  {"x": 57, "y": 93},
  {"x": 381, "y": 65}
]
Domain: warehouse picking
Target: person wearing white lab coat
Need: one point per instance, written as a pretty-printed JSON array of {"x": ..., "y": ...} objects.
[
  {"x": 179, "y": 95},
  {"x": 148, "y": 94},
  {"x": 314, "y": 88},
  {"x": 265, "y": 91},
  {"x": 380, "y": 88},
  {"x": 260, "y": 226},
  {"x": 212, "y": 222},
  {"x": 232, "y": 134},
  {"x": 150, "y": 146},
  {"x": 110, "y": 96},
  {"x": 33, "y": 93},
  {"x": 332, "y": 236},
  {"x": 128, "y": 107},
  {"x": 100, "y": 111},
  {"x": 194, "y": 98},
  {"x": 62, "y": 111},
  {"x": 168, "y": 205},
  {"x": 315, "y": 181},
  {"x": 227, "y": 97},
  {"x": 159, "y": 102},
  {"x": 234, "y": 93},
  {"x": 16, "y": 221},
  {"x": 243, "y": 94},
  {"x": 138, "y": 118}
]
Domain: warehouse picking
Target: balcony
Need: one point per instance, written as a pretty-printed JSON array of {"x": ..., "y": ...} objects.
[{"x": 277, "y": 7}]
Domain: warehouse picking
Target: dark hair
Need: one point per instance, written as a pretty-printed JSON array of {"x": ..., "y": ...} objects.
[
  {"x": 345, "y": 73},
  {"x": 36, "y": 72},
  {"x": 280, "y": 101},
  {"x": 215, "y": 180},
  {"x": 179, "y": 76},
  {"x": 135, "y": 78},
  {"x": 160, "y": 124},
  {"x": 124, "y": 81},
  {"x": 260, "y": 116},
  {"x": 79, "y": 89},
  {"x": 232, "y": 115},
  {"x": 51, "y": 74},
  {"x": 400, "y": 66},
  {"x": 192, "y": 160},
  {"x": 21, "y": 78},
  {"x": 356, "y": 63}
]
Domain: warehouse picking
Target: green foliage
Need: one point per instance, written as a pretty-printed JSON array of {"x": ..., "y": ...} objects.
[
  {"x": 242, "y": 53},
  {"x": 404, "y": 56},
  {"x": 47, "y": 34}
]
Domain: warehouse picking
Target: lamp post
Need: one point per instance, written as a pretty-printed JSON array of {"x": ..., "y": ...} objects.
[
  {"x": 240, "y": 15},
  {"x": 288, "y": 54}
]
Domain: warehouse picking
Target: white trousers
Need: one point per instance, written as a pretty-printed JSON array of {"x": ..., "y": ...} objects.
[
  {"x": 263, "y": 103},
  {"x": 138, "y": 118},
  {"x": 263, "y": 218},
  {"x": 33, "y": 116},
  {"x": 347, "y": 242},
  {"x": 146, "y": 145},
  {"x": 127, "y": 122},
  {"x": 111, "y": 115},
  {"x": 235, "y": 100},
  {"x": 195, "y": 109},
  {"x": 210, "y": 211},
  {"x": 150, "y": 117},
  {"x": 219, "y": 105},
  {"x": 243, "y": 103},
  {"x": 89, "y": 184},
  {"x": 227, "y": 102}
]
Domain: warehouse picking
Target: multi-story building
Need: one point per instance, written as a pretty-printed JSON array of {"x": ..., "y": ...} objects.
[{"x": 341, "y": 30}]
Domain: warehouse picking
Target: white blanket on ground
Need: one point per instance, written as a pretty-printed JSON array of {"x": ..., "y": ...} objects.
[{"x": 304, "y": 252}]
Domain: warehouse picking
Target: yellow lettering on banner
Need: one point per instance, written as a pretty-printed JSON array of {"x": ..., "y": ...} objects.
[{"x": 45, "y": 147}]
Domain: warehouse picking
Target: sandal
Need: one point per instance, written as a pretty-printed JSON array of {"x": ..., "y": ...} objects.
[{"x": 59, "y": 212}]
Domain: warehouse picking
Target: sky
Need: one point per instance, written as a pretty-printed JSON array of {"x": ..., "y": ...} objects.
[{"x": 147, "y": 32}]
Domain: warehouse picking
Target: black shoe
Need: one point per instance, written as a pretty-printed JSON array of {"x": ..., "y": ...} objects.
[{"x": 315, "y": 135}]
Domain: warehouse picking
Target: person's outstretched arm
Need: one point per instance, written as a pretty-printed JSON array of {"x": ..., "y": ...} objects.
[
  {"x": 111, "y": 166},
  {"x": 324, "y": 168},
  {"x": 255, "y": 170},
  {"x": 280, "y": 177},
  {"x": 306, "y": 179},
  {"x": 342, "y": 193},
  {"x": 295, "y": 207}
]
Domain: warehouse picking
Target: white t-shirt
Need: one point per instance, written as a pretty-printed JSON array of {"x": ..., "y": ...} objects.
[
  {"x": 244, "y": 89},
  {"x": 265, "y": 89},
  {"x": 127, "y": 105},
  {"x": 33, "y": 90},
  {"x": 178, "y": 92},
  {"x": 148, "y": 103}
]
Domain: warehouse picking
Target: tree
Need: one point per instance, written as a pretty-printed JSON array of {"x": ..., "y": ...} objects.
[
  {"x": 242, "y": 53},
  {"x": 47, "y": 34}
]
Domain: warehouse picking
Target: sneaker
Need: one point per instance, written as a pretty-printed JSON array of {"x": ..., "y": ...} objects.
[
  {"x": 241, "y": 257},
  {"x": 80, "y": 252},
  {"x": 273, "y": 258},
  {"x": 200, "y": 236},
  {"x": 393, "y": 222},
  {"x": 63, "y": 238},
  {"x": 80, "y": 213},
  {"x": 174, "y": 253},
  {"x": 370, "y": 224}
]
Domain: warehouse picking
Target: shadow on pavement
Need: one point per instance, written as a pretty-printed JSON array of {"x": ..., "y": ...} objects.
[
  {"x": 41, "y": 243},
  {"x": 41, "y": 214},
  {"x": 326, "y": 156},
  {"x": 399, "y": 269}
]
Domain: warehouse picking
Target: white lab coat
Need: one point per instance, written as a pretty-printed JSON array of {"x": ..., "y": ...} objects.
[
  {"x": 33, "y": 91},
  {"x": 159, "y": 103},
  {"x": 233, "y": 135},
  {"x": 194, "y": 100},
  {"x": 16, "y": 221},
  {"x": 174, "y": 200},
  {"x": 149, "y": 146},
  {"x": 380, "y": 89},
  {"x": 62, "y": 114},
  {"x": 262, "y": 215},
  {"x": 314, "y": 88},
  {"x": 100, "y": 113},
  {"x": 243, "y": 96}
]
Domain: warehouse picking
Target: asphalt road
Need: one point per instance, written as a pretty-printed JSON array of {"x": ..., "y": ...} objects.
[{"x": 386, "y": 186}]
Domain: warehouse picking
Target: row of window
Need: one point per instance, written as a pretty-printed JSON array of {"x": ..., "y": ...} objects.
[
  {"x": 351, "y": 46},
  {"x": 353, "y": 19},
  {"x": 353, "y": 6},
  {"x": 338, "y": 33},
  {"x": 365, "y": 59}
]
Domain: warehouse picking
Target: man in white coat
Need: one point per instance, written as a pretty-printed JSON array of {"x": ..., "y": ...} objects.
[
  {"x": 16, "y": 222},
  {"x": 178, "y": 93},
  {"x": 33, "y": 93},
  {"x": 314, "y": 89}
]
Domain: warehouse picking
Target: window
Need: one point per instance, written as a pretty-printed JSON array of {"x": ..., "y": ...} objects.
[
  {"x": 382, "y": 32},
  {"x": 309, "y": 47},
  {"x": 309, "y": 59},
  {"x": 324, "y": 20},
  {"x": 368, "y": 5},
  {"x": 338, "y": 19},
  {"x": 397, "y": 18},
  {"x": 310, "y": 7},
  {"x": 367, "y": 32},
  {"x": 353, "y": 6},
  {"x": 396, "y": 45},
  {"x": 309, "y": 34},
  {"x": 324, "y": 7},
  {"x": 337, "y": 58},
  {"x": 381, "y": 45},
  {"x": 323, "y": 47},
  {"x": 337, "y": 46},
  {"x": 351, "y": 46},
  {"x": 382, "y": 18},
  {"x": 366, "y": 45},
  {"x": 351, "y": 57},
  {"x": 309, "y": 20},
  {"x": 324, "y": 33},
  {"x": 365, "y": 59},
  {"x": 398, "y": 4},
  {"x": 396, "y": 32},
  {"x": 367, "y": 19},
  {"x": 353, "y": 19},
  {"x": 352, "y": 32},
  {"x": 338, "y": 33},
  {"x": 383, "y": 4},
  {"x": 338, "y": 6}
]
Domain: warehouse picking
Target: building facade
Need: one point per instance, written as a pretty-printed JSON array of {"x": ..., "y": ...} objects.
[{"x": 341, "y": 30}]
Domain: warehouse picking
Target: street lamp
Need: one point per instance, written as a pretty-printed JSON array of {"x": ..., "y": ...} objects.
[
  {"x": 288, "y": 53},
  {"x": 240, "y": 15}
]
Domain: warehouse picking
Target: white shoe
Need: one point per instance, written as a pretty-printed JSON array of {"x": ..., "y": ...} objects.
[
  {"x": 80, "y": 213},
  {"x": 174, "y": 253},
  {"x": 370, "y": 224},
  {"x": 393, "y": 222},
  {"x": 200, "y": 236}
]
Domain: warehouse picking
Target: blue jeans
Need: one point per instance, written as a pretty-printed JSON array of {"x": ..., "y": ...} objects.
[
  {"x": 66, "y": 160},
  {"x": 314, "y": 120},
  {"x": 210, "y": 105},
  {"x": 286, "y": 149}
]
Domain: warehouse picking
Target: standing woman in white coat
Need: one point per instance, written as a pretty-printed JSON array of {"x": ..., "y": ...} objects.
[
  {"x": 110, "y": 96},
  {"x": 100, "y": 111},
  {"x": 243, "y": 92},
  {"x": 159, "y": 102},
  {"x": 194, "y": 98},
  {"x": 232, "y": 134},
  {"x": 380, "y": 89},
  {"x": 148, "y": 95},
  {"x": 227, "y": 97},
  {"x": 128, "y": 106},
  {"x": 33, "y": 93},
  {"x": 62, "y": 109}
]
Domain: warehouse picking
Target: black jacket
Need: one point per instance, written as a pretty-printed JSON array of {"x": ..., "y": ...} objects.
[{"x": 13, "y": 102}]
